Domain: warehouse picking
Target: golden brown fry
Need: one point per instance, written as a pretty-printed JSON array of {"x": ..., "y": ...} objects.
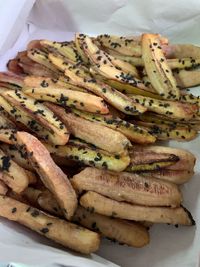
[
  {"x": 14, "y": 176},
  {"x": 12, "y": 79},
  {"x": 51, "y": 175},
  {"x": 131, "y": 234},
  {"x": 128, "y": 187},
  {"x": 62, "y": 232},
  {"x": 110, "y": 207},
  {"x": 98, "y": 135}
]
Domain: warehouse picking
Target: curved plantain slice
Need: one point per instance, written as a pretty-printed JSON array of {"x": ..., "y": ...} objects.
[
  {"x": 157, "y": 69},
  {"x": 51, "y": 175},
  {"x": 90, "y": 156},
  {"x": 164, "y": 132},
  {"x": 174, "y": 109},
  {"x": 42, "y": 58},
  {"x": 110, "y": 95},
  {"x": 103, "y": 65},
  {"x": 110, "y": 207},
  {"x": 40, "y": 112},
  {"x": 124, "y": 232},
  {"x": 75, "y": 237},
  {"x": 132, "y": 132},
  {"x": 68, "y": 98},
  {"x": 128, "y": 187},
  {"x": 65, "y": 49},
  {"x": 91, "y": 132},
  {"x": 186, "y": 159},
  {"x": 142, "y": 161},
  {"x": 171, "y": 175}
]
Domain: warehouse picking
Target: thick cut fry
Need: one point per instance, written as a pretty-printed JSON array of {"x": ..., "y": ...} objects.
[
  {"x": 174, "y": 109},
  {"x": 186, "y": 159},
  {"x": 98, "y": 135},
  {"x": 68, "y": 98},
  {"x": 62, "y": 232},
  {"x": 174, "y": 176},
  {"x": 157, "y": 69},
  {"x": 3, "y": 187},
  {"x": 14, "y": 153},
  {"x": 131, "y": 131},
  {"x": 128, "y": 187},
  {"x": 110, "y": 95},
  {"x": 149, "y": 160},
  {"x": 51, "y": 175},
  {"x": 48, "y": 203},
  {"x": 124, "y": 232},
  {"x": 90, "y": 156},
  {"x": 40, "y": 112},
  {"x": 110, "y": 207},
  {"x": 14, "y": 176}
]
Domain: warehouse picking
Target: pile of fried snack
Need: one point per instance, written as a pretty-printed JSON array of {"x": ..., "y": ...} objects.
[{"x": 78, "y": 124}]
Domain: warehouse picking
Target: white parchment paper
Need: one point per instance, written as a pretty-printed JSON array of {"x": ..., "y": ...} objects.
[{"x": 56, "y": 20}]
